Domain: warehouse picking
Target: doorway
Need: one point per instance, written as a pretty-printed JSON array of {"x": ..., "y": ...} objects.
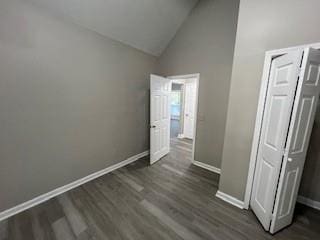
[
  {"x": 183, "y": 113},
  {"x": 184, "y": 105},
  {"x": 176, "y": 108},
  {"x": 174, "y": 103},
  {"x": 288, "y": 101}
]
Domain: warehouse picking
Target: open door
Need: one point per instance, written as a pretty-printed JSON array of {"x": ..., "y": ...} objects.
[
  {"x": 298, "y": 140},
  {"x": 160, "y": 89},
  {"x": 278, "y": 107},
  {"x": 189, "y": 110}
]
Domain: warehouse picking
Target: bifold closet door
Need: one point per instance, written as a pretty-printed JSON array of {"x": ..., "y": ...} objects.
[
  {"x": 279, "y": 102},
  {"x": 160, "y": 89},
  {"x": 302, "y": 120}
]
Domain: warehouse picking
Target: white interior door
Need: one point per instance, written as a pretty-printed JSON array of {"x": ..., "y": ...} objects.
[
  {"x": 160, "y": 89},
  {"x": 278, "y": 107},
  {"x": 189, "y": 109},
  {"x": 303, "y": 114}
]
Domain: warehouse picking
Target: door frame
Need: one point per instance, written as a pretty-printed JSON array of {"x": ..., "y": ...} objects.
[
  {"x": 269, "y": 56},
  {"x": 195, "y": 76}
]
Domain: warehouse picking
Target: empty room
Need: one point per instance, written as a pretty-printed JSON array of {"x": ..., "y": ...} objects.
[{"x": 159, "y": 119}]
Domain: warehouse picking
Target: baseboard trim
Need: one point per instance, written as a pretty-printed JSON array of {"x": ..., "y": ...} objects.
[
  {"x": 229, "y": 199},
  {"x": 180, "y": 136},
  {"x": 44, "y": 197},
  {"x": 208, "y": 167},
  {"x": 309, "y": 202}
]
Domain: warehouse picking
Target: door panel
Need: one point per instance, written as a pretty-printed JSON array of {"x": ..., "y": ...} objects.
[
  {"x": 275, "y": 121},
  {"x": 159, "y": 117},
  {"x": 289, "y": 183},
  {"x": 303, "y": 121},
  {"x": 303, "y": 114},
  {"x": 279, "y": 102},
  {"x": 265, "y": 172}
]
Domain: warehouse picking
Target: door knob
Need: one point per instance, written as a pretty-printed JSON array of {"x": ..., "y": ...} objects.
[
  {"x": 289, "y": 159},
  {"x": 153, "y": 126}
]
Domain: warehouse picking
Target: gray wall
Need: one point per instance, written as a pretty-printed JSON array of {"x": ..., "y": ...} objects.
[
  {"x": 72, "y": 102},
  {"x": 262, "y": 26},
  {"x": 204, "y": 45}
]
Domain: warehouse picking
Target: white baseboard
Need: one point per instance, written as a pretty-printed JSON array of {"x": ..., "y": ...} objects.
[
  {"x": 229, "y": 199},
  {"x": 309, "y": 202},
  {"x": 180, "y": 136},
  {"x": 44, "y": 197},
  {"x": 208, "y": 167},
  {"x": 175, "y": 118}
]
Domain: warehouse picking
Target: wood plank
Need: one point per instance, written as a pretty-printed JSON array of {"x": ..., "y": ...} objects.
[
  {"x": 72, "y": 214},
  {"x": 130, "y": 182},
  {"x": 3, "y": 230},
  {"x": 170, "y": 200},
  {"x": 62, "y": 229},
  {"x": 182, "y": 231}
]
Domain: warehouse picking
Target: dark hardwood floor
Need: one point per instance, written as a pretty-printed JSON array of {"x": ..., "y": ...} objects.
[{"x": 170, "y": 200}]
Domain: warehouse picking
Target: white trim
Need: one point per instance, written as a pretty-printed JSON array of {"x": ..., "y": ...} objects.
[
  {"x": 173, "y": 117},
  {"x": 180, "y": 136},
  {"x": 269, "y": 55},
  {"x": 179, "y": 77},
  {"x": 197, "y": 78},
  {"x": 309, "y": 202},
  {"x": 178, "y": 81},
  {"x": 229, "y": 199},
  {"x": 208, "y": 167},
  {"x": 44, "y": 197}
]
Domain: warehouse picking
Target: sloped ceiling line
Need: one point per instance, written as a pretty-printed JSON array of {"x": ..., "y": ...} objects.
[{"x": 148, "y": 25}]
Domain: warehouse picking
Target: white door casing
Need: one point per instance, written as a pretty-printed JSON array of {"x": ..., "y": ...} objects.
[
  {"x": 189, "y": 109},
  {"x": 302, "y": 120},
  {"x": 279, "y": 102},
  {"x": 160, "y": 89}
]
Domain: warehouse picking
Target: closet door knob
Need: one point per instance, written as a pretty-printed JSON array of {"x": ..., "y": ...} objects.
[{"x": 289, "y": 159}]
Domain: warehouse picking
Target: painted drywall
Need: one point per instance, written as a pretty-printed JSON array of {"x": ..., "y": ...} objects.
[
  {"x": 148, "y": 25},
  {"x": 204, "y": 45},
  {"x": 311, "y": 173},
  {"x": 72, "y": 102},
  {"x": 262, "y": 26}
]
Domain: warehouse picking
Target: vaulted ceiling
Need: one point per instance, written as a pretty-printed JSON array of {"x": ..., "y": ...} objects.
[{"x": 148, "y": 25}]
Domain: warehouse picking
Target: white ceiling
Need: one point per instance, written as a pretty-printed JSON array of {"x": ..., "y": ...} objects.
[{"x": 148, "y": 25}]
